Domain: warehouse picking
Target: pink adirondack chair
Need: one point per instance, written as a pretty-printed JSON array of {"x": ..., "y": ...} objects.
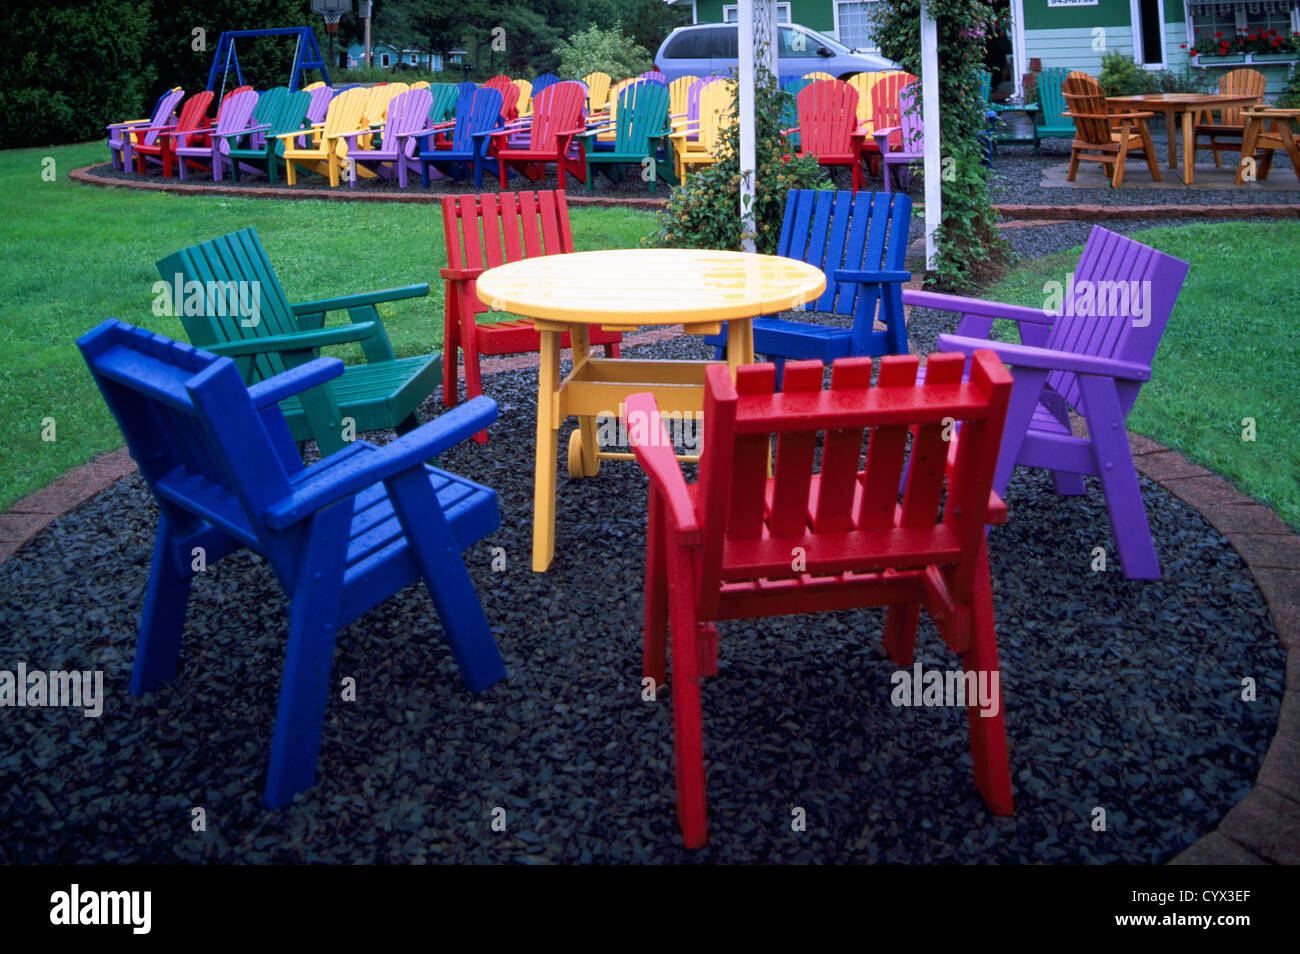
[
  {"x": 193, "y": 118},
  {"x": 1092, "y": 358},
  {"x": 557, "y": 119},
  {"x": 119, "y": 134},
  {"x": 408, "y": 118},
  {"x": 910, "y": 143},
  {"x": 828, "y": 126},
  {"x": 236, "y": 114},
  {"x": 720, "y": 549}
]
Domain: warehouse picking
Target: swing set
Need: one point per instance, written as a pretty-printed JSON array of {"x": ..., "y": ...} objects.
[{"x": 306, "y": 55}]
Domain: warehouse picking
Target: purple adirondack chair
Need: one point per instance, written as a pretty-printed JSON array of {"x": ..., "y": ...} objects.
[
  {"x": 316, "y": 112},
  {"x": 913, "y": 138},
  {"x": 236, "y": 114},
  {"x": 119, "y": 134},
  {"x": 408, "y": 118},
  {"x": 1091, "y": 356},
  {"x": 655, "y": 76}
]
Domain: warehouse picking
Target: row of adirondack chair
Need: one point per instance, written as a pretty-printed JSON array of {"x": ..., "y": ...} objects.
[{"x": 214, "y": 424}]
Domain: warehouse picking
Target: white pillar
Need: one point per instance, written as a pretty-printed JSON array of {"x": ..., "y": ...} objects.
[
  {"x": 930, "y": 118},
  {"x": 745, "y": 91},
  {"x": 1020, "y": 64}
]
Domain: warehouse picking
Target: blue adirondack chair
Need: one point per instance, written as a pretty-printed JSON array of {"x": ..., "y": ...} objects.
[
  {"x": 544, "y": 80},
  {"x": 1093, "y": 358},
  {"x": 478, "y": 112},
  {"x": 860, "y": 241},
  {"x": 341, "y": 536}
]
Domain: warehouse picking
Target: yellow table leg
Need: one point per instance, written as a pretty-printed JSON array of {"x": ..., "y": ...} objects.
[
  {"x": 548, "y": 384},
  {"x": 740, "y": 343},
  {"x": 581, "y": 342}
]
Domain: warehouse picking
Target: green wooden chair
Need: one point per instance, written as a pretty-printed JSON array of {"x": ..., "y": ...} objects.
[
  {"x": 443, "y": 107},
  {"x": 278, "y": 111},
  {"x": 238, "y": 309},
  {"x": 640, "y": 128},
  {"x": 1051, "y": 104}
]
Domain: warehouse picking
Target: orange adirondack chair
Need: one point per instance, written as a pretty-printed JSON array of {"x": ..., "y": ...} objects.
[
  {"x": 557, "y": 119},
  {"x": 513, "y": 226},
  {"x": 828, "y": 126},
  {"x": 193, "y": 116},
  {"x": 721, "y": 549},
  {"x": 1231, "y": 125},
  {"x": 1096, "y": 136}
]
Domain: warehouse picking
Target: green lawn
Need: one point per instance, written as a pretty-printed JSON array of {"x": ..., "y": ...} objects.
[
  {"x": 76, "y": 255},
  {"x": 1228, "y": 354}
]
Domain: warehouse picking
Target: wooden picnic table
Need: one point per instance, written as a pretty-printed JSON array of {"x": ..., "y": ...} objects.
[
  {"x": 626, "y": 289},
  {"x": 1268, "y": 129},
  {"x": 1188, "y": 105}
]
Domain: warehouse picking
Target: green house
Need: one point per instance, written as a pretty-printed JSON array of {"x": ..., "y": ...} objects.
[{"x": 1158, "y": 34}]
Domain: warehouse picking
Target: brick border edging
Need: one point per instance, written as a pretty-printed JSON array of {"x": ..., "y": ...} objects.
[
  {"x": 1262, "y": 828},
  {"x": 1046, "y": 214}
]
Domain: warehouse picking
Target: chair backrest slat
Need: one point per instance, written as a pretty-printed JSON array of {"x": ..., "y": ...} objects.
[
  {"x": 556, "y": 109},
  {"x": 1050, "y": 99},
  {"x": 1239, "y": 82}
]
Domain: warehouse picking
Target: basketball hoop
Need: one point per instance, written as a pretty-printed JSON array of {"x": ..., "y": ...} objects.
[{"x": 332, "y": 21}]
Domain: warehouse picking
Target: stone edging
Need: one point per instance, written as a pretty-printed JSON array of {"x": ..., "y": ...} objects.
[
  {"x": 1041, "y": 213},
  {"x": 1263, "y": 828}
]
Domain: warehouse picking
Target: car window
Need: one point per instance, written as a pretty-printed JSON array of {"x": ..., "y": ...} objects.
[
  {"x": 691, "y": 45},
  {"x": 797, "y": 43},
  {"x": 724, "y": 43}
]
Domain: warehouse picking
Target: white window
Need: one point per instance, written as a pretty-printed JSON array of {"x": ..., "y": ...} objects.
[
  {"x": 383, "y": 59},
  {"x": 731, "y": 13},
  {"x": 853, "y": 22},
  {"x": 1206, "y": 18}
]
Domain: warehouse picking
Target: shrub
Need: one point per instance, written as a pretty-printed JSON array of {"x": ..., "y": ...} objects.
[
  {"x": 594, "y": 50},
  {"x": 704, "y": 212},
  {"x": 1289, "y": 98},
  {"x": 1184, "y": 80},
  {"x": 1120, "y": 76}
]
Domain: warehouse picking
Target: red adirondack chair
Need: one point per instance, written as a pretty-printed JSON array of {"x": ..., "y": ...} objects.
[
  {"x": 509, "y": 95},
  {"x": 194, "y": 115},
  {"x": 885, "y": 112},
  {"x": 828, "y": 126},
  {"x": 740, "y": 545},
  {"x": 557, "y": 119},
  {"x": 513, "y": 226}
]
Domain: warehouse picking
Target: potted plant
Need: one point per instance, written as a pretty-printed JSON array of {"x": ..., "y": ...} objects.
[{"x": 1275, "y": 48}]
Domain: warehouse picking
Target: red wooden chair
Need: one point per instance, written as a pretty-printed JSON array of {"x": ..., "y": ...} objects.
[
  {"x": 509, "y": 95},
  {"x": 828, "y": 126},
  {"x": 193, "y": 116},
  {"x": 739, "y": 545},
  {"x": 885, "y": 112},
  {"x": 557, "y": 119},
  {"x": 481, "y": 232}
]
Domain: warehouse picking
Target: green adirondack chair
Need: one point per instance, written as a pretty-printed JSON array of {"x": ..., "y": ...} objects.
[
  {"x": 444, "y": 102},
  {"x": 233, "y": 271},
  {"x": 1051, "y": 104},
  {"x": 640, "y": 127},
  {"x": 278, "y": 111}
]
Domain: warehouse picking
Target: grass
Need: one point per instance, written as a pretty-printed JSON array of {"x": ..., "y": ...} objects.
[
  {"x": 76, "y": 255},
  {"x": 1228, "y": 354}
]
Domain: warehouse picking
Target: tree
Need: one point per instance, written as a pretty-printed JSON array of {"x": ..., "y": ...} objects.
[{"x": 605, "y": 51}]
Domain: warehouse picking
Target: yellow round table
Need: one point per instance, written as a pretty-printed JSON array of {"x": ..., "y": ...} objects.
[{"x": 625, "y": 289}]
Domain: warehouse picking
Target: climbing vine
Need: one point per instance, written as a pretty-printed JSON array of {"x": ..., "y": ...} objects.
[{"x": 969, "y": 249}]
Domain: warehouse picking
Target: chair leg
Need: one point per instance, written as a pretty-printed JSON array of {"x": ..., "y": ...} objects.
[
  {"x": 1026, "y": 386},
  {"x": 1074, "y": 165},
  {"x": 988, "y": 738},
  {"x": 437, "y": 555},
  {"x": 473, "y": 375},
  {"x": 163, "y": 622},
  {"x": 900, "y": 632},
  {"x": 308, "y": 658},
  {"x": 688, "y": 726},
  {"x": 1149, "y": 148},
  {"x": 655, "y": 644},
  {"x": 450, "y": 345},
  {"x": 1119, "y": 480},
  {"x": 1067, "y": 484}
]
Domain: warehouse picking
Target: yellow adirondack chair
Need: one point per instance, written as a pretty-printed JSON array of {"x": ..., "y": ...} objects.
[
  {"x": 525, "y": 104},
  {"x": 679, "y": 98},
  {"x": 375, "y": 110},
  {"x": 346, "y": 114},
  {"x": 422, "y": 84},
  {"x": 311, "y": 86},
  {"x": 715, "y": 104},
  {"x": 597, "y": 90},
  {"x": 817, "y": 76},
  {"x": 863, "y": 82},
  {"x": 607, "y": 133}
]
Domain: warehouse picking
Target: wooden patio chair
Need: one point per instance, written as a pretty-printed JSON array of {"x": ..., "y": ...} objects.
[
  {"x": 341, "y": 536},
  {"x": 1226, "y": 134},
  {"x": 721, "y": 549},
  {"x": 1091, "y": 359},
  {"x": 1096, "y": 136},
  {"x": 828, "y": 126}
]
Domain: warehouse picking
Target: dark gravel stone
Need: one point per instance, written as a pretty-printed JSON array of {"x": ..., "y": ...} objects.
[{"x": 1119, "y": 695}]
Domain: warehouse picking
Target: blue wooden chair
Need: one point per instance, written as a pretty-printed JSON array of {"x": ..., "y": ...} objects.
[
  {"x": 860, "y": 242},
  {"x": 341, "y": 536},
  {"x": 464, "y": 141}
]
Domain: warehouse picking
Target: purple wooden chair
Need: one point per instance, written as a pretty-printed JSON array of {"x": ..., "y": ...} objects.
[
  {"x": 119, "y": 134},
  {"x": 408, "y": 118},
  {"x": 319, "y": 108},
  {"x": 236, "y": 115},
  {"x": 913, "y": 132},
  {"x": 1091, "y": 356},
  {"x": 654, "y": 76}
]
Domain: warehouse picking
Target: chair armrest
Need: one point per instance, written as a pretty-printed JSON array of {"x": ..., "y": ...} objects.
[
  {"x": 460, "y": 274},
  {"x": 295, "y": 341},
  {"x": 975, "y": 306},
  {"x": 658, "y": 460},
  {"x": 997, "y": 514},
  {"x": 241, "y": 132},
  {"x": 295, "y": 380},
  {"x": 1027, "y": 356},
  {"x": 359, "y": 470},
  {"x": 360, "y": 300},
  {"x": 852, "y": 275}
]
